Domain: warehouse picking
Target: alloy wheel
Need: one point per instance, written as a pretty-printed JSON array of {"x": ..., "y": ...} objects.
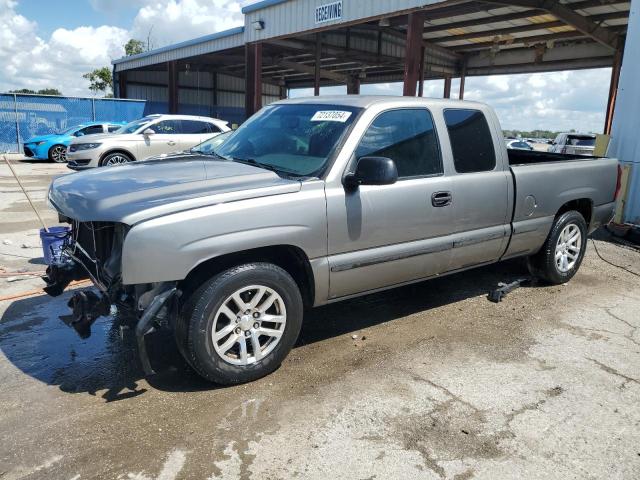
[
  {"x": 59, "y": 154},
  {"x": 568, "y": 247},
  {"x": 248, "y": 325}
]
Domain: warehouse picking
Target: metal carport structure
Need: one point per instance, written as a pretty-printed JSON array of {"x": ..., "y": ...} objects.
[{"x": 288, "y": 44}]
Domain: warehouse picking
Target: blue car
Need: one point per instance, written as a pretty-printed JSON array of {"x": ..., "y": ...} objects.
[{"x": 54, "y": 146}]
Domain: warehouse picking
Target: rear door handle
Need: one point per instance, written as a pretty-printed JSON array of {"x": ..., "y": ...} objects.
[
  {"x": 171, "y": 142},
  {"x": 441, "y": 199}
]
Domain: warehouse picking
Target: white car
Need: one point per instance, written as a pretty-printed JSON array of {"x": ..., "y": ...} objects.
[
  {"x": 518, "y": 145},
  {"x": 147, "y": 137}
]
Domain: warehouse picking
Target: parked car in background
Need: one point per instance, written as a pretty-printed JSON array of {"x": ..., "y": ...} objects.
[
  {"x": 149, "y": 136},
  {"x": 518, "y": 145},
  {"x": 313, "y": 201},
  {"x": 208, "y": 147},
  {"x": 54, "y": 146},
  {"x": 574, "y": 144}
]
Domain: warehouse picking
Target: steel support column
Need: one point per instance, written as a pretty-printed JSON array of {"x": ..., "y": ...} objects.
[
  {"x": 613, "y": 91},
  {"x": 353, "y": 85},
  {"x": 122, "y": 85},
  {"x": 421, "y": 82},
  {"x": 447, "y": 87},
  {"x": 172, "y": 84},
  {"x": 253, "y": 93},
  {"x": 413, "y": 48},
  {"x": 318, "y": 58},
  {"x": 463, "y": 77}
]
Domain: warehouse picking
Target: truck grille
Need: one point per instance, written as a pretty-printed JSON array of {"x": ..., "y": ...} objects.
[{"x": 92, "y": 245}]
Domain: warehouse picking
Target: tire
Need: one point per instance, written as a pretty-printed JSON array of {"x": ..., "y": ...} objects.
[
  {"x": 114, "y": 159},
  {"x": 58, "y": 154},
  {"x": 204, "y": 313},
  {"x": 544, "y": 264}
]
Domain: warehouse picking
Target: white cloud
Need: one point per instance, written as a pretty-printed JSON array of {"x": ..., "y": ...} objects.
[
  {"x": 30, "y": 61},
  {"x": 172, "y": 21}
]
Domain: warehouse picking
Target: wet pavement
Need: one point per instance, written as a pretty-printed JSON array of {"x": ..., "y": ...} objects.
[{"x": 437, "y": 383}]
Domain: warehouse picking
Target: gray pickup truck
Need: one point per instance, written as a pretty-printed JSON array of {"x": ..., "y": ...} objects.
[{"x": 314, "y": 201}]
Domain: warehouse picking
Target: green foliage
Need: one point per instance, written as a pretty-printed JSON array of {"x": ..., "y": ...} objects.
[
  {"x": 42, "y": 91},
  {"x": 50, "y": 91},
  {"x": 532, "y": 134},
  {"x": 133, "y": 47},
  {"x": 99, "y": 80}
]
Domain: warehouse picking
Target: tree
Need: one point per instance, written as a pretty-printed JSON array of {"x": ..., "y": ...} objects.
[
  {"x": 99, "y": 80},
  {"x": 42, "y": 91},
  {"x": 50, "y": 91},
  {"x": 22, "y": 90},
  {"x": 133, "y": 47}
]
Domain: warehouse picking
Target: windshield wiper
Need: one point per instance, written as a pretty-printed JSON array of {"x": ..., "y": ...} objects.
[{"x": 255, "y": 163}]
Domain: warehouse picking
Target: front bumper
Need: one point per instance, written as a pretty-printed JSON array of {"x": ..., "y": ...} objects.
[
  {"x": 32, "y": 150},
  {"x": 80, "y": 164},
  {"x": 81, "y": 159}
]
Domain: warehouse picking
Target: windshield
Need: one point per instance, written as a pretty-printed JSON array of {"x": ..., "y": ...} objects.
[
  {"x": 209, "y": 146},
  {"x": 69, "y": 131},
  {"x": 295, "y": 139},
  {"x": 133, "y": 126}
]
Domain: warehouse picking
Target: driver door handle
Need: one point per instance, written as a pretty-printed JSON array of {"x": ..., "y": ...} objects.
[
  {"x": 171, "y": 142},
  {"x": 441, "y": 199}
]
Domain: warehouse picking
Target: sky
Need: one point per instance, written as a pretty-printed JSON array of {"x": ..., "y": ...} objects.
[{"x": 51, "y": 43}]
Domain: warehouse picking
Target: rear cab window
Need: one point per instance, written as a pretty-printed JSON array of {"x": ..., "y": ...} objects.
[{"x": 471, "y": 140}]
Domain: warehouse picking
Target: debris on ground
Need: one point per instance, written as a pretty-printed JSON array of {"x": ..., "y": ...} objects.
[{"x": 503, "y": 289}]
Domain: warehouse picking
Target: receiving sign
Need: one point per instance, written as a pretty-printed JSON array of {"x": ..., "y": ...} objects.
[
  {"x": 328, "y": 12},
  {"x": 331, "y": 116}
]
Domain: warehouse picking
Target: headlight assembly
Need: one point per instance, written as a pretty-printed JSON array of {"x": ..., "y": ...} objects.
[{"x": 86, "y": 146}]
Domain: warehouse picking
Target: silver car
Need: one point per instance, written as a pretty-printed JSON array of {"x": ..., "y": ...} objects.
[{"x": 147, "y": 137}]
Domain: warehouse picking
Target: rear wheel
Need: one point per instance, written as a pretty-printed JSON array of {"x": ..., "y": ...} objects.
[
  {"x": 115, "y": 159},
  {"x": 561, "y": 255},
  {"x": 241, "y": 324},
  {"x": 58, "y": 154}
]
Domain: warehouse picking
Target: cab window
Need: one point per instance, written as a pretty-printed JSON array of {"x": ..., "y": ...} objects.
[
  {"x": 408, "y": 137},
  {"x": 471, "y": 140}
]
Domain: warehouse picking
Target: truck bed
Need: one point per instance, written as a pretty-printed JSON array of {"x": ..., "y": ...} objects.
[{"x": 525, "y": 157}]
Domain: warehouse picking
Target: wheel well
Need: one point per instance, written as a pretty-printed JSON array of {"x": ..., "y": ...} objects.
[
  {"x": 291, "y": 259},
  {"x": 582, "y": 205},
  {"x": 117, "y": 150}
]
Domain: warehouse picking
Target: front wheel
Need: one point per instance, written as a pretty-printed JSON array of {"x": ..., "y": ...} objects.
[
  {"x": 115, "y": 159},
  {"x": 561, "y": 255},
  {"x": 241, "y": 324},
  {"x": 58, "y": 154}
]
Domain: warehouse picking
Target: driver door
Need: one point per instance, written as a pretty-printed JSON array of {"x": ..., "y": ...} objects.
[
  {"x": 379, "y": 236},
  {"x": 165, "y": 139}
]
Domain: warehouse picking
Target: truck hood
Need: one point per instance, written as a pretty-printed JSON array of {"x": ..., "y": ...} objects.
[{"x": 140, "y": 191}]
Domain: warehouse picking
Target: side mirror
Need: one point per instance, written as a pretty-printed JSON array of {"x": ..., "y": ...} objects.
[
  {"x": 372, "y": 171},
  {"x": 148, "y": 132},
  {"x": 78, "y": 134}
]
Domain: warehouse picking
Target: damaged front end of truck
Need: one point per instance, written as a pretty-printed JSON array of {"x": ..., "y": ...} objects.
[{"x": 93, "y": 250}]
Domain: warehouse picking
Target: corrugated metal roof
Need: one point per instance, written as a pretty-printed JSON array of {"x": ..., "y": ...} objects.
[{"x": 209, "y": 43}]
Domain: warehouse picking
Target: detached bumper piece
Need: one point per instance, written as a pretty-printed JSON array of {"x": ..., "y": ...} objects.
[
  {"x": 146, "y": 324},
  {"x": 503, "y": 289},
  {"x": 87, "y": 306},
  {"x": 60, "y": 275}
]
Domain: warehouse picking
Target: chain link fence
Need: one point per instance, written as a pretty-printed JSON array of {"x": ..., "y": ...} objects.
[{"x": 25, "y": 116}]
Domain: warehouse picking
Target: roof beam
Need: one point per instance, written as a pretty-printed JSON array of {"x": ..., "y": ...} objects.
[
  {"x": 298, "y": 67},
  {"x": 498, "y": 31},
  {"x": 570, "y": 17}
]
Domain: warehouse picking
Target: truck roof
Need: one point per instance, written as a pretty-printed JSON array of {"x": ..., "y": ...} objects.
[{"x": 364, "y": 101}]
